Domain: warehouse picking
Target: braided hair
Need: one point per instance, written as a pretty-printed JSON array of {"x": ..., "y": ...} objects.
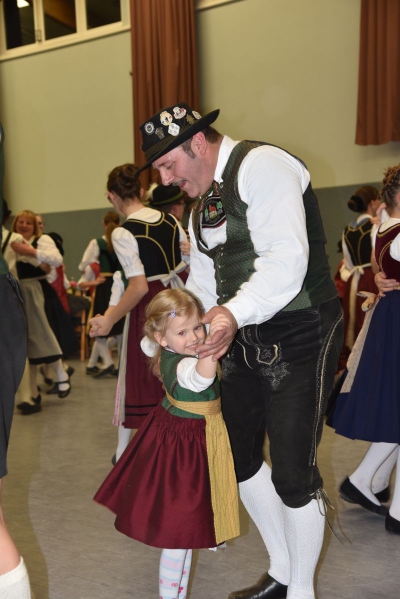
[{"x": 391, "y": 186}]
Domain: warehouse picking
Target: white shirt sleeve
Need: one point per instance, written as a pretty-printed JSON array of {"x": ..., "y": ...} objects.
[
  {"x": 395, "y": 248},
  {"x": 127, "y": 250},
  {"x": 189, "y": 378},
  {"x": 183, "y": 237},
  {"x": 88, "y": 276},
  {"x": 47, "y": 251},
  {"x": 91, "y": 254},
  {"x": 117, "y": 289}
]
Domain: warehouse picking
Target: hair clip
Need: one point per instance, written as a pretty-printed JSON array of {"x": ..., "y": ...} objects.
[{"x": 173, "y": 314}]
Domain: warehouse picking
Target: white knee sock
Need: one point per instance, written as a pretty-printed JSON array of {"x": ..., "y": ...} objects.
[
  {"x": 124, "y": 435},
  {"x": 32, "y": 380},
  {"x": 104, "y": 352},
  {"x": 94, "y": 354},
  {"x": 304, "y": 529},
  {"x": 265, "y": 508},
  {"x": 61, "y": 375},
  {"x": 172, "y": 564},
  {"x": 373, "y": 459},
  {"x": 15, "y": 584},
  {"x": 382, "y": 475},
  {"x": 394, "y": 509}
]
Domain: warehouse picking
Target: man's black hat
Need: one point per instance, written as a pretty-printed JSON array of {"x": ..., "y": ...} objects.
[{"x": 169, "y": 128}]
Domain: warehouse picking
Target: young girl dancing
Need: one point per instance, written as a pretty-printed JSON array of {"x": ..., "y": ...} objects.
[
  {"x": 174, "y": 487},
  {"x": 368, "y": 407}
]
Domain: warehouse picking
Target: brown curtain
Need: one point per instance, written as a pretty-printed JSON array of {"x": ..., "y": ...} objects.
[
  {"x": 378, "y": 114},
  {"x": 164, "y": 62}
]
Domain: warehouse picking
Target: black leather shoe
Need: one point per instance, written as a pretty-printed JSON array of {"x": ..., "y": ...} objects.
[
  {"x": 350, "y": 493},
  {"x": 383, "y": 496},
  {"x": 392, "y": 525},
  {"x": 36, "y": 400},
  {"x": 266, "y": 588},
  {"x": 105, "y": 371},
  {"x": 29, "y": 408},
  {"x": 92, "y": 369},
  {"x": 61, "y": 394},
  {"x": 70, "y": 371}
]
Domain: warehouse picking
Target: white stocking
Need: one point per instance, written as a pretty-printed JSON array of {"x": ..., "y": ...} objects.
[
  {"x": 94, "y": 354},
  {"x": 373, "y": 459},
  {"x": 382, "y": 475},
  {"x": 265, "y": 508},
  {"x": 394, "y": 509},
  {"x": 304, "y": 528},
  {"x": 172, "y": 564},
  {"x": 124, "y": 435},
  {"x": 183, "y": 589},
  {"x": 15, "y": 584},
  {"x": 104, "y": 352},
  {"x": 61, "y": 375}
]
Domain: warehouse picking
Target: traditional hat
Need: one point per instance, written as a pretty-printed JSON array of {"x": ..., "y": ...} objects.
[
  {"x": 165, "y": 194},
  {"x": 6, "y": 210},
  {"x": 169, "y": 128}
]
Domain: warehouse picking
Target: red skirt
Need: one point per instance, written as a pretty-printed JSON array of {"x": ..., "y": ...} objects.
[
  {"x": 143, "y": 390},
  {"x": 160, "y": 487}
]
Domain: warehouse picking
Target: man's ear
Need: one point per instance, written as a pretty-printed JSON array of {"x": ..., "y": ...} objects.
[
  {"x": 199, "y": 143},
  {"x": 160, "y": 339}
]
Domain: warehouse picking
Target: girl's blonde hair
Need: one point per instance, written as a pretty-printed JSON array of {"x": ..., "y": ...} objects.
[
  {"x": 165, "y": 306},
  {"x": 30, "y": 215}
]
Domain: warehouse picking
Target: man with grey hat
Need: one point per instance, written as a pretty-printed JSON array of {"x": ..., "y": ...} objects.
[{"x": 257, "y": 256}]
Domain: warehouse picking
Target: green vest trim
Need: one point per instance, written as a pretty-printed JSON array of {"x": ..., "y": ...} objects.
[{"x": 234, "y": 260}]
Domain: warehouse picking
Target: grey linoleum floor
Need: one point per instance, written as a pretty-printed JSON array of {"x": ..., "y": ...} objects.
[{"x": 57, "y": 460}]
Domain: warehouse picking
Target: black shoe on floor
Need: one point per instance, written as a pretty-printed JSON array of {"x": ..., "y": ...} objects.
[
  {"x": 114, "y": 459},
  {"x": 105, "y": 371},
  {"x": 392, "y": 525},
  {"x": 56, "y": 389},
  {"x": 383, "y": 496},
  {"x": 266, "y": 588},
  {"x": 29, "y": 408},
  {"x": 70, "y": 371},
  {"x": 92, "y": 369},
  {"x": 36, "y": 400},
  {"x": 350, "y": 493}
]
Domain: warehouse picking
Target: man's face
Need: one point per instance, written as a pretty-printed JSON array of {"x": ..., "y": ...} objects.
[
  {"x": 190, "y": 174},
  {"x": 40, "y": 223}
]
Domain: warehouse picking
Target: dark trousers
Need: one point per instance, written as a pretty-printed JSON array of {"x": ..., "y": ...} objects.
[
  {"x": 13, "y": 343},
  {"x": 277, "y": 378}
]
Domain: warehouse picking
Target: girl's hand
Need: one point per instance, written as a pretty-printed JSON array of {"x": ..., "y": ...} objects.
[
  {"x": 100, "y": 279},
  {"x": 219, "y": 322},
  {"x": 99, "y": 326},
  {"x": 217, "y": 345}
]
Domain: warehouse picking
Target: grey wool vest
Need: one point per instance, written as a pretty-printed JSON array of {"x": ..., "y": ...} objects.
[{"x": 234, "y": 260}]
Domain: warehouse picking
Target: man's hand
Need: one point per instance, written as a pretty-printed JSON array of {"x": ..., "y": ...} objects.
[
  {"x": 99, "y": 326},
  {"x": 185, "y": 247},
  {"x": 223, "y": 327},
  {"x": 384, "y": 285}
]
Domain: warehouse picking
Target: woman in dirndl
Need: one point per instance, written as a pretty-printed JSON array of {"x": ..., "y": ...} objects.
[
  {"x": 36, "y": 255},
  {"x": 147, "y": 246}
]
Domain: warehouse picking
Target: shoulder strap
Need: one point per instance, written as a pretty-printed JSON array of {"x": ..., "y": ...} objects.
[{"x": 5, "y": 244}]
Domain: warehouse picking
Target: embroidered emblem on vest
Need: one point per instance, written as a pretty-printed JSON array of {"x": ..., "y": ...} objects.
[{"x": 213, "y": 213}]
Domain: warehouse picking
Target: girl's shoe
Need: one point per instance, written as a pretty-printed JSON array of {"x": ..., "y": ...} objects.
[
  {"x": 92, "y": 369},
  {"x": 392, "y": 525},
  {"x": 383, "y": 496},
  {"x": 29, "y": 408}
]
